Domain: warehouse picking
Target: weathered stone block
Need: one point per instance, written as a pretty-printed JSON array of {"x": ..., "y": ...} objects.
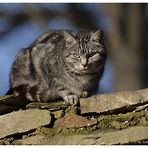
[
  {"x": 23, "y": 121},
  {"x": 74, "y": 120},
  {"x": 113, "y": 101}
]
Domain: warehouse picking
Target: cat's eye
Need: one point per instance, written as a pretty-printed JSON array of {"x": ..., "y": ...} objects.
[
  {"x": 94, "y": 57},
  {"x": 76, "y": 55}
]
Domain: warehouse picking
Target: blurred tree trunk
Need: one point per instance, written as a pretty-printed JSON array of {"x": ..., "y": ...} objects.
[{"x": 126, "y": 44}]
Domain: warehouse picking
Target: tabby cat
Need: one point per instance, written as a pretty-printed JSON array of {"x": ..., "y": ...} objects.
[{"x": 59, "y": 64}]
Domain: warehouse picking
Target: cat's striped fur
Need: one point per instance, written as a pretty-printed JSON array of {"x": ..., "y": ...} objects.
[{"x": 59, "y": 64}]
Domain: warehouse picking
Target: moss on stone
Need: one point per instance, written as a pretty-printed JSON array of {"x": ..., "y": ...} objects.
[
  {"x": 72, "y": 110},
  {"x": 62, "y": 130},
  {"x": 58, "y": 114},
  {"x": 121, "y": 121}
]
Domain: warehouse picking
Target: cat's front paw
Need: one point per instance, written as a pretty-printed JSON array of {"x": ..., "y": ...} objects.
[
  {"x": 71, "y": 99},
  {"x": 83, "y": 94}
]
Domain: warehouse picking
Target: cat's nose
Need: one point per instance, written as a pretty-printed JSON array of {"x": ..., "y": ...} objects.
[{"x": 84, "y": 61}]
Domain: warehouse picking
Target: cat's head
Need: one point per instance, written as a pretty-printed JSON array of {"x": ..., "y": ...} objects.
[{"x": 84, "y": 51}]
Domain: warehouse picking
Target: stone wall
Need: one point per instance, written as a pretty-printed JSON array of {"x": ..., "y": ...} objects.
[{"x": 115, "y": 118}]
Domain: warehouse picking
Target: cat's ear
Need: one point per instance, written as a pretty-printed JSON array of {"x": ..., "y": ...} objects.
[
  {"x": 96, "y": 36},
  {"x": 68, "y": 38}
]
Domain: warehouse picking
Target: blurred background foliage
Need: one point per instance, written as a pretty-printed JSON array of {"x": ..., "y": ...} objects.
[{"x": 124, "y": 25}]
